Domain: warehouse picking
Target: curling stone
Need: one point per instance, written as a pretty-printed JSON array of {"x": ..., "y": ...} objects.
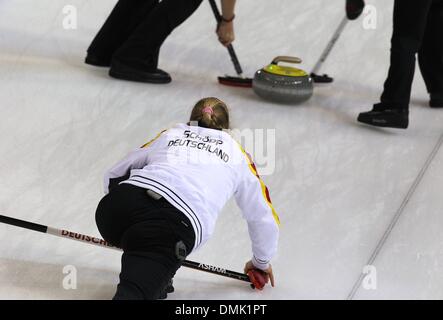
[{"x": 283, "y": 84}]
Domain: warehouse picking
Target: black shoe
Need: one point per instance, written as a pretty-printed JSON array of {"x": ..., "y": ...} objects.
[
  {"x": 382, "y": 116},
  {"x": 124, "y": 72},
  {"x": 436, "y": 100},
  {"x": 168, "y": 289},
  {"x": 94, "y": 60},
  {"x": 354, "y": 8}
]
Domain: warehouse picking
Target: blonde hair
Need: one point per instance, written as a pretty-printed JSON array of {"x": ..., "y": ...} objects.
[{"x": 211, "y": 113}]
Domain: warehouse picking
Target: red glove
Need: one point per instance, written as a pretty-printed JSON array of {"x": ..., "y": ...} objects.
[{"x": 258, "y": 278}]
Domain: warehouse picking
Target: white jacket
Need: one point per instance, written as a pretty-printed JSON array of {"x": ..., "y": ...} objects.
[{"x": 198, "y": 170}]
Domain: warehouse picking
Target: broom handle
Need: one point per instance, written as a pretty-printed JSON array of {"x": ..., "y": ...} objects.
[
  {"x": 102, "y": 243},
  {"x": 231, "y": 50},
  {"x": 330, "y": 45}
]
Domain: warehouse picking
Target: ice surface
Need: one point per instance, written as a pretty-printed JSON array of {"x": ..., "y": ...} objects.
[{"x": 337, "y": 184}]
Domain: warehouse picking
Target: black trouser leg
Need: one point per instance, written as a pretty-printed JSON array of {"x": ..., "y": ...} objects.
[
  {"x": 147, "y": 230},
  {"x": 430, "y": 56},
  {"x": 144, "y": 278},
  {"x": 124, "y": 18},
  {"x": 142, "y": 48},
  {"x": 149, "y": 260},
  {"x": 410, "y": 18}
]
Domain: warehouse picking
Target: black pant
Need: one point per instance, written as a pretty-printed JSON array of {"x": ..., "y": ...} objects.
[
  {"x": 418, "y": 28},
  {"x": 136, "y": 29},
  {"x": 148, "y": 231}
]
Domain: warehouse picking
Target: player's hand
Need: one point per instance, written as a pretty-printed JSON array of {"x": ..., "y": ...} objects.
[
  {"x": 268, "y": 274},
  {"x": 225, "y": 32}
]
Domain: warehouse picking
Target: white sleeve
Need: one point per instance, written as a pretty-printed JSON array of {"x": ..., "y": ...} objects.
[
  {"x": 137, "y": 159},
  {"x": 252, "y": 197}
]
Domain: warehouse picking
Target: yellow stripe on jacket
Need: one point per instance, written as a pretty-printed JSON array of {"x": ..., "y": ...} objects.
[
  {"x": 152, "y": 141},
  {"x": 264, "y": 189}
]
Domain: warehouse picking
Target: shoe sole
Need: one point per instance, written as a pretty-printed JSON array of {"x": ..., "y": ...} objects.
[
  {"x": 136, "y": 78},
  {"x": 97, "y": 64},
  {"x": 382, "y": 123}
]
